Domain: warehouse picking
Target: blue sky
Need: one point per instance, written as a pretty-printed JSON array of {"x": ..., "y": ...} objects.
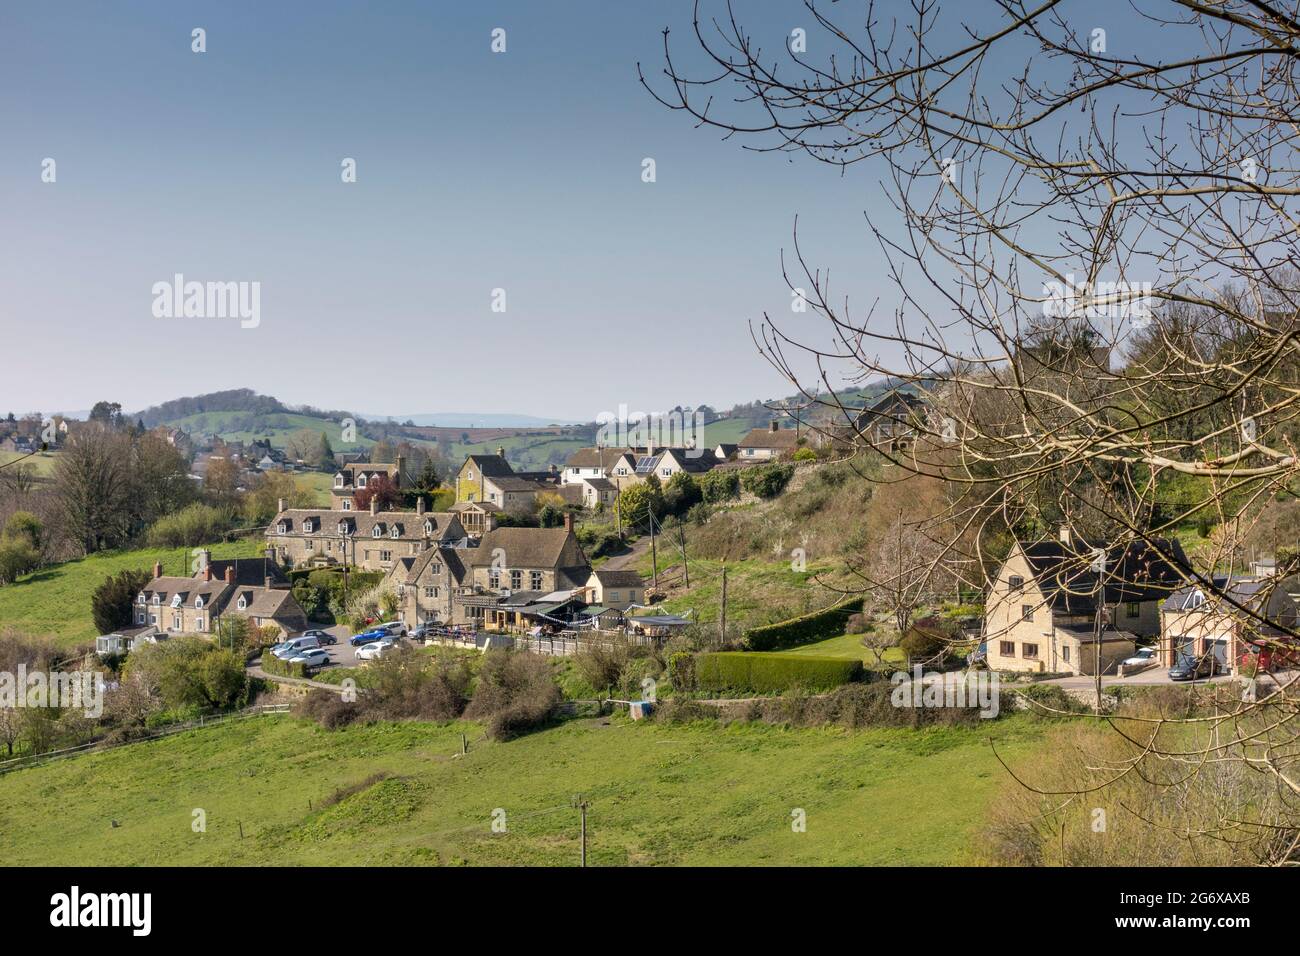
[{"x": 476, "y": 171}]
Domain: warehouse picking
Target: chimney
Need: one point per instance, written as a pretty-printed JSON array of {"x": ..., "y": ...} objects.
[
  {"x": 419, "y": 505},
  {"x": 489, "y": 522},
  {"x": 266, "y": 582},
  {"x": 157, "y": 569},
  {"x": 501, "y": 451},
  {"x": 207, "y": 573},
  {"x": 205, "y": 558},
  {"x": 230, "y": 574},
  {"x": 280, "y": 504},
  {"x": 568, "y": 521},
  {"x": 1065, "y": 536},
  {"x": 774, "y": 426},
  {"x": 401, "y": 467},
  {"x": 374, "y": 504}
]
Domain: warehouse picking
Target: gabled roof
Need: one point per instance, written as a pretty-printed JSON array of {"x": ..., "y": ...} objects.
[
  {"x": 530, "y": 548},
  {"x": 491, "y": 466},
  {"x": 593, "y": 457},
  {"x": 250, "y": 570},
  {"x": 1134, "y": 572},
  {"x": 617, "y": 578},
  {"x": 783, "y": 439},
  {"x": 410, "y": 524}
]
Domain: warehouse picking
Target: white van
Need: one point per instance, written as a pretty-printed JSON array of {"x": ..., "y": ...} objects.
[{"x": 296, "y": 646}]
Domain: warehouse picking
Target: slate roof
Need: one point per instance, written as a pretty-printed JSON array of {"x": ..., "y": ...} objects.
[
  {"x": 783, "y": 439},
  {"x": 1134, "y": 572},
  {"x": 530, "y": 548},
  {"x": 610, "y": 578},
  {"x": 410, "y": 524},
  {"x": 592, "y": 457}
]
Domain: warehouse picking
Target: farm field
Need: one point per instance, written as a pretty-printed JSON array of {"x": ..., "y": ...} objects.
[
  {"x": 41, "y": 464},
  {"x": 660, "y": 795},
  {"x": 55, "y": 600}
]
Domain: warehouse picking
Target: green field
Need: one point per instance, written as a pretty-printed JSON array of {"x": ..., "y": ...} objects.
[
  {"x": 55, "y": 600},
  {"x": 846, "y": 647},
  {"x": 660, "y": 795},
  {"x": 41, "y": 464}
]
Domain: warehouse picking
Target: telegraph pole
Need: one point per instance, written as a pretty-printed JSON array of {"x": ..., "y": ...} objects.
[
  {"x": 654, "y": 554},
  {"x": 582, "y": 808},
  {"x": 722, "y": 620}
]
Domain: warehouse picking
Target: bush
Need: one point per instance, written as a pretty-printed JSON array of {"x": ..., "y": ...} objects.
[
  {"x": 327, "y": 708},
  {"x": 273, "y": 665},
  {"x": 600, "y": 665},
  {"x": 681, "y": 671},
  {"x": 516, "y": 693},
  {"x": 816, "y": 626},
  {"x": 767, "y": 481},
  {"x": 766, "y": 673},
  {"x": 720, "y": 486},
  {"x": 804, "y": 454},
  {"x": 113, "y": 603},
  {"x": 189, "y": 527}
]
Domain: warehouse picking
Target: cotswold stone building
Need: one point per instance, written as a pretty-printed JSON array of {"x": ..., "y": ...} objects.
[
  {"x": 1041, "y": 611},
  {"x": 253, "y": 588},
  {"x": 370, "y": 539},
  {"x": 352, "y": 478}
]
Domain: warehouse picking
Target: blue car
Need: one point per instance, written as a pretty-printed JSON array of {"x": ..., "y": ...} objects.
[{"x": 368, "y": 637}]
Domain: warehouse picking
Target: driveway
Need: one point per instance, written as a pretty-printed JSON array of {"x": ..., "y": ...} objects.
[{"x": 1151, "y": 676}]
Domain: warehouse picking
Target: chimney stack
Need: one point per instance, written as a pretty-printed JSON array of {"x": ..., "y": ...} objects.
[
  {"x": 280, "y": 503},
  {"x": 266, "y": 581},
  {"x": 205, "y": 558},
  {"x": 568, "y": 521},
  {"x": 775, "y": 425},
  {"x": 374, "y": 504},
  {"x": 501, "y": 451},
  {"x": 230, "y": 574},
  {"x": 419, "y": 505},
  {"x": 401, "y": 467},
  {"x": 207, "y": 573},
  {"x": 1065, "y": 536},
  {"x": 157, "y": 569}
]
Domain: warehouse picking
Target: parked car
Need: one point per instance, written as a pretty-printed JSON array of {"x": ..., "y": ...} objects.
[
  {"x": 395, "y": 628},
  {"x": 376, "y": 649},
  {"x": 1144, "y": 655},
  {"x": 325, "y": 637},
  {"x": 312, "y": 657},
  {"x": 1188, "y": 667},
  {"x": 296, "y": 646},
  {"x": 368, "y": 637},
  {"x": 425, "y": 631},
  {"x": 978, "y": 657}
]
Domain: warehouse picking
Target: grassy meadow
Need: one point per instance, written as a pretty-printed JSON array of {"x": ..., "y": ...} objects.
[{"x": 660, "y": 795}]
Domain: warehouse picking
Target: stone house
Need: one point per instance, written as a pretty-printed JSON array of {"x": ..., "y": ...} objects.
[
  {"x": 354, "y": 477},
  {"x": 1224, "y": 623},
  {"x": 615, "y": 589},
  {"x": 767, "y": 444},
  {"x": 371, "y": 539},
  {"x": 1041, "y": 612},
  {"x": 252, "y": 588}
]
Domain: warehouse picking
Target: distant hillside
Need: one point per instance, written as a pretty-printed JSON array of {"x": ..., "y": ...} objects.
[{"x": 475, "y": 420}]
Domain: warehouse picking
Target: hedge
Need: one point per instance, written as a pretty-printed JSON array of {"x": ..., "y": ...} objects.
[
  {"x": 764, "y": 673},
  {"x": 816, "y": 626},
  {"x": 273, "y": 665}
]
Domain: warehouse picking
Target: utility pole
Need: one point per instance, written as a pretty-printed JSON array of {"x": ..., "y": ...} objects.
[
  {"x": 582, "y": 808},
  {"x": 681, "y": 537},
  {"x": 654, "y": 554},
  {"x": 722, "y": 620}
]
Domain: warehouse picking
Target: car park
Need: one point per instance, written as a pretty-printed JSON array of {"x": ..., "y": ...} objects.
[
  {"x": 395, "y": 628},
  {"x": 368, "y": 637},
  {"x": 325, "y": 637}
]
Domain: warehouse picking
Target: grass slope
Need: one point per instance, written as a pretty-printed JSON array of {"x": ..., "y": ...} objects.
[
  {"x": 55, "y": 601},
  {"x": 697, "y": 794}
]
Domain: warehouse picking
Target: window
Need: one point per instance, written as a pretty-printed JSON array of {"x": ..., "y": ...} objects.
[
  {"x": 140, "y": 617},
  {"x": 346, "y": 504},
  {"x": 139, "y": 598},
  {"x": 361, "y": 481},
  {"x": 176, "y": 622},
  {"x": 535, "y": 580},
  {"x": 156, "y": 599},
  {"x": 428, "y": 527},
  {"x": 494, "y": 579},
  {"x": 243, "y": 603},
  {"x": 1007, "y": 648},
  {"x": 311, "y": 545},
  {"x": 1015, "y": 582},
  {"x": 198, "y": 602},
  {"x": 437, "y": 567},
  {"x": 612, "y": 596},
  {"x": 385, "y": 555},
  {"x": 1065, "y": 653},
  {"x": 469, "y": 475},
  {"x": 281, "y": 528},
  {"x": 516, "y": 580},
  {"x": 620, "y": 471},
  {"x": 378, "y": 531},
  {"x": 1029, "y": 650},
  {"x": 430, "y": 592},
  {"x": 338, "y": 481},
  {"x": 396, "y": 532},
  {"x": 1133, "y": 609},
  {"x": 1026, "y": 612}
]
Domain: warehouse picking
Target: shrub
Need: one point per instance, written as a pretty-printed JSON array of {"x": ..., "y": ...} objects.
[
  {"x": 682, "y": 494},
  {"x": 816, "y": 626},
  {"x": 113, "y": 603},
  {"x": 765, "y": 673},
  {"x": 681, "y": 671},
  {"x": 273, "y": 665},
  {"x": 327, "y": 708},
  {"x": 189, "y": 527},
  {"x": 516, "y": 692},
  {"x": 804, "y": 454},
  {"x": 766, "y": 481},
  {"x": 600, "y": 665},
  {"x": 720, "y": 486}
]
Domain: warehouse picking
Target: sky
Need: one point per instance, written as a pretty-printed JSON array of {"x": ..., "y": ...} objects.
[{"x": 475, "y": 171}]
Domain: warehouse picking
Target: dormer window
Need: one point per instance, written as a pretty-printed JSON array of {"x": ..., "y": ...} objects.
[
  {"x": 338, "y": 480},
  {"x": 361, "y": 481},
  {"x": 396, "y": 532},
  {"x": 428, "y": 527},
  {"x": 156, "y": 599},
  {"x": 343, "y": 527},
  {"x": 282, "y": 527},
  {"x": 309, "y": 525},
  {"x": 243, "y": 603},
  {"x": 198, "y": 602},
  {"x": 176, "y": 601},
  {"x": 379, "y": 531},
  {"x": 140, "y": 598}
]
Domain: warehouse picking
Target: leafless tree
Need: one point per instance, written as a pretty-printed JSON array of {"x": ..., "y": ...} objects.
[{"x": 1092, "y": 235}]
